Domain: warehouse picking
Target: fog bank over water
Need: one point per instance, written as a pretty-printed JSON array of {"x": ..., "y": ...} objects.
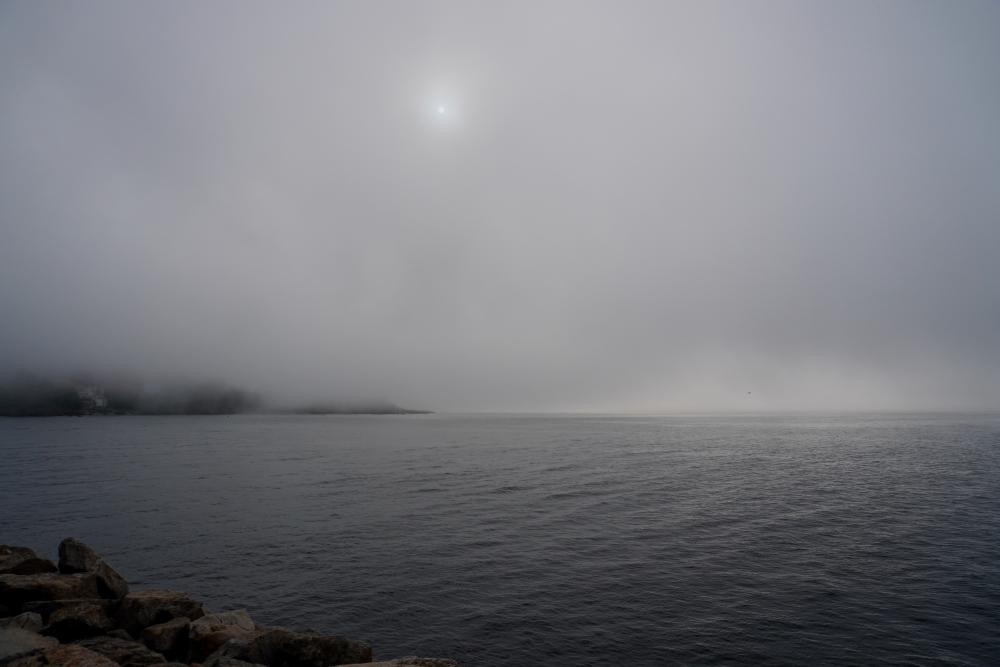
[{"x": 527, "y": 206}]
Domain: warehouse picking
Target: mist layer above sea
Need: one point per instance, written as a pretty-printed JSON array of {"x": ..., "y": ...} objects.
[{"x": 546, "y": 540}]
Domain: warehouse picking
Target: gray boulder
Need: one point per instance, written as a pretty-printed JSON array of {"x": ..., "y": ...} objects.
[
  {"x": 45, "y": 608},
  {"x": 26, "y": 621},
  {"x": 412, "y": 660},
  {"x": 75, "y": 557},
  {"x": 22, "y": 560},
  {"x": 64, "y": 656},
  {"x": 121, "y": 634},
  {"x": 122, "y": 652},
  {"x": 141, "y": 609},
  {"x": 278, "y": 647},
  {"x": 170, "y": 638},
  {"x": 17, "y": 589},
  {"x": 211, "y": 631},
  {"x": 233, "y": 662},
  {"x": 33, "y": 660},
  {"x": 17, "y": 643},
  {"x": 79, "y": 621}
]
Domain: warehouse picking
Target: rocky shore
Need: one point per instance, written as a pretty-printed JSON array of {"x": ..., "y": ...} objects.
[{"x": 81, "y": 613}]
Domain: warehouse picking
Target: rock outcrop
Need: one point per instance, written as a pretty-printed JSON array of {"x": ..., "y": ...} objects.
[
  {"x": 233, "y": 662},
  {"x": 412, "y": 660},
  {"x": 141, "y": 609},
  {"x": 279, "y": 647},
  {"x": 207, "y": 634},
  {"x": 87, "y": 605},
  {"x": 76, "y": 557},
  {"x": 64, "y": 656},
  {"x": 170, "y": 638},
  {"x": 123, "y": 652},
  {"x": 26, "y": 621},
  {"x": 16, "y": 643},
  {"x": 22, "y": 560},
  {"x": 17, "y": 589},
  {"x": 45, "y": 608},
  {"x": 84, "y": 619}
]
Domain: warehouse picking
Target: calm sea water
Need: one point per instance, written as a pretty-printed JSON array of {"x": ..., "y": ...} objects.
[{"x": 546, "y": 540}]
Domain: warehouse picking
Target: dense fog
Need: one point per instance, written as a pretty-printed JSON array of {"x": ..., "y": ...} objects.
[{"x": 565, "y": 206}]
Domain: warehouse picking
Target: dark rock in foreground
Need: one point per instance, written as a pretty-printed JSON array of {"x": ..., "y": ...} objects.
[
  {"x": 16, "y": 643},
  {"x": 75, "y": 556},
  {"x": 26, "y": 621},
  {"x": 211, "y": 631},
  {"x": 79, "y": 621},
  {"x": 278, "y": 647},
  {"x": 125, "y": 653},
  {"x": 413, "y": 660},
  {"x": 65, "y": 656},
  {"x": 170, "y": 638},
  {"x": 22, "y": 560},
  {"x": 17, "y": 589},
  {"x": 233, "y": 662},
  {"x": 45, "y": 608},
  {"x": 141, "y": 609},
  {"x": 89, "y": 603}
]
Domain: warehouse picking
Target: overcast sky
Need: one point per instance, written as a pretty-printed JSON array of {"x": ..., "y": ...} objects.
[{"x": 622, "y": 207}]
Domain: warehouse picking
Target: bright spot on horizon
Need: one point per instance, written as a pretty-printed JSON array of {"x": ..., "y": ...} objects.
[{"x": 440, "y": 109}]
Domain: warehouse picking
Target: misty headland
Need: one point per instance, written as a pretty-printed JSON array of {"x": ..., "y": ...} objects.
[{"x": 31, "y": 395}]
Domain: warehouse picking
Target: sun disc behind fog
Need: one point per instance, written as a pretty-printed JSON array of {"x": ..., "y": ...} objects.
[{"x": 440, "y": 109}]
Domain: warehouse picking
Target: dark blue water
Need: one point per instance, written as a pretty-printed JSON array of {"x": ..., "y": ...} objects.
[{"x": 546, "y": 540}]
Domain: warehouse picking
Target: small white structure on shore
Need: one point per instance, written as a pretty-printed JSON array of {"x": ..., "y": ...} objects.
[{"x": 94, "y": 396}]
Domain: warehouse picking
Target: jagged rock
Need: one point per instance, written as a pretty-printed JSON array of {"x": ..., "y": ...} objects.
[
  {"x": 16, "y": 643},
  {"x": 27, "y": 621},
  {"x": 111, "y": 585},
  {"x": 170, "y": 638},
  {"x": 411, "y": 660},
  {"x": 125, "y": 653},
  {"x": 17, "y": 589},
  {"x": 75, "y": 556},
  {"x": 47, "y": 607},
  {"x": 65, "y": 656},
  {"x": 233, "y": 662},
  {"x": 278, "y": 647},
  {"x": 211, "y": 631},
  {"x": 34, "y": 660},
  {"x": 31, "y": 566},
  {"x": 78, "y": 621},
  {"x": 22, "y": 560},
  {"x": 141, "y": 609},
  {"x": 121, "y": 634}
]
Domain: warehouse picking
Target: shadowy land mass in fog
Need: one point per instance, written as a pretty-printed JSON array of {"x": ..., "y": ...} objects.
[{"x": 28, "y": 395}]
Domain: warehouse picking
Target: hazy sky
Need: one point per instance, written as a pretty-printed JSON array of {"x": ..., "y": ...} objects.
[{"x": 624, "y": 206}]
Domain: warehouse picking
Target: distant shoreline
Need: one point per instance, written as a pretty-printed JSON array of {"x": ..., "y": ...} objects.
[{"x": 28, "y": 395}]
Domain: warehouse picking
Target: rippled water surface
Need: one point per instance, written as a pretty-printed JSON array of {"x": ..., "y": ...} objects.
[{"x": 546, "y": 540}]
